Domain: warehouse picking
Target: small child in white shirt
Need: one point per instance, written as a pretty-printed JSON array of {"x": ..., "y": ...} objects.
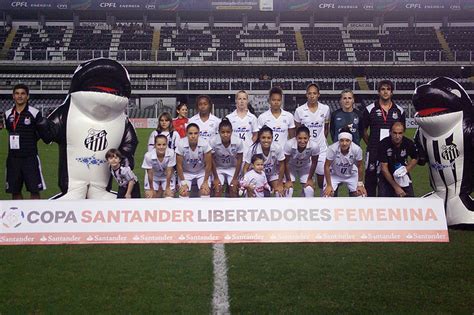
[{"x": 255, "y": 181}]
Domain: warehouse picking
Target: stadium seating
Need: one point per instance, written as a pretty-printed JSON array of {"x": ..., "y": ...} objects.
[
  {"x": 215, "y": 81},
  {"x": 41, "y": 43},
  {"x": 460, "y": 40},
  {"x": 198, "y": 43},
  {"x": 324, "y": 43},
  {"x": 226, "y": 44}
]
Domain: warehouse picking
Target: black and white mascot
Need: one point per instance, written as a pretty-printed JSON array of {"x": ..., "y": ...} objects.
[
  {"x": 91, "y": 121},
  {"x": 445, "y": 138}
]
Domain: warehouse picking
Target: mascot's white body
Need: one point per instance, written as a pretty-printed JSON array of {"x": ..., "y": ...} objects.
[
  {"x": 88, "y": 179},
  {"x": 447, "y": 172},
  {"x": 444, "y": 137},
  {"x": 91, "y": 121}
]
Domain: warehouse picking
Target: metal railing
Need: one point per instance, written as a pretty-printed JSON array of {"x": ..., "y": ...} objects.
[
  {"x": 228, "y": 84},
  {"x": 244, "y": 56}
]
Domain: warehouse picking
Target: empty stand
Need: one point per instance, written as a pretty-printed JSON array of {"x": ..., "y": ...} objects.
[{"x": 198, "y": 43}]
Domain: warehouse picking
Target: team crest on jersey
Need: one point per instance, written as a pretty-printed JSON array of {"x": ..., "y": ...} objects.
[
  {"x": 389, "y": 152},
  {"x": 27, "y": 121},
  {"x": 403, "y": 153},
  {"x": 450, "y": 152},
  {"x": 96, "y": 140},
  {"x": 395, "y": 115}
]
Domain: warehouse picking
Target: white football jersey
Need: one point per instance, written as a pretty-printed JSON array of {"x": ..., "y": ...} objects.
[
  {"x": 259, "y": 180},
  {"x": 344, "y": 165},
  {"x": 243, "y": 127},
  {"x": 271, "y": 161},
  {"x": 193, "y": 160},
  {"x": 151, "y": 162},
  {"x": 208, "y": 128},
  {"x": 173, "y": 139},
  {"x": 314, "y": 121},
  {"x": 279, "y": 125},
  {"x": 225, "y": 157},
  {"x": 300, "y": 159}
]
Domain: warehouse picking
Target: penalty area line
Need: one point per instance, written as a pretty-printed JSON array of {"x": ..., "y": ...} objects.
[{"x": 220, "y": 296}]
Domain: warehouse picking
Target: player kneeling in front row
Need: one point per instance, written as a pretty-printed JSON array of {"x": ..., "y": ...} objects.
[
  {"x": 344, "y": 166},
  {"x": 273, "y": 159},
  {"x": 193, "y": 162},
  {"x": 159, "y": 166},
  {"x": 227, "y": 155},
  {"x": 126, "y": 179},
  {"x": 301, "y": 158},
  {"x": 393, "y": 155}
]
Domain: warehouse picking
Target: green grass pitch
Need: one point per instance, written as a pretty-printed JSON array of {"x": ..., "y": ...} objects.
[{"x": 263, "y": 278}]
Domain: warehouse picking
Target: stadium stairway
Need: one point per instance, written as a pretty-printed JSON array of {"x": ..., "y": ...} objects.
[
  {"x": 8, "y": 43},
  {"x": 300, "y": 45},
  {"x": 155, "y": 44},
  {"x": 349, "y": 47},
  {"x": 444, "y": 44},
  {"x": 115, "y": 43},
  {"x": 362, "y": 82}
]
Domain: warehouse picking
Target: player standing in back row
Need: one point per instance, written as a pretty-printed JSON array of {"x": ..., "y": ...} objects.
[
  {"x": 281, "y": 121},
  {"x": 208, "y": 123},
  {"x": 244, "y": 123},
  {"x": 379, "y": 117},
  {"x": 315, "y": 116},
  {"x": 347, "y": 116}
]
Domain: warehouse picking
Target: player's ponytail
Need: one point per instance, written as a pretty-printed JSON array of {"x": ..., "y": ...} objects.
[{"x": 225, "y": 122}]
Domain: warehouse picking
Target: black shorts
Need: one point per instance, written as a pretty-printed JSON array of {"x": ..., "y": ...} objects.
[
  {"x": 386, "y": 190},
  {"x": 25, "y": 170},
  {"x": 135, "y": 191}
]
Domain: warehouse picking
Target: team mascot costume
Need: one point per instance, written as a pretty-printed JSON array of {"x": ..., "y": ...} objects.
[
  {"x": 89, "y": 123},
  {"x": 445, "y": 138}
]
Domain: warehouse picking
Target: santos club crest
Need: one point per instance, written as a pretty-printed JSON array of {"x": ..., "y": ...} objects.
[
  {"x": 96, "y": 140},
  {"x": 450, "y": 152}
]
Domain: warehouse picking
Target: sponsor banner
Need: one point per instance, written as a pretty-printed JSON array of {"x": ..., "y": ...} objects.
[
  {"x": 336, "y": 5},
  {"x": 241, "y": 5},
  {"x": 221, "y": 220},
  {"x": 266, "y": 5},
  {"x": 144, "y": 122},
  {"x": 35, "y": 4}
]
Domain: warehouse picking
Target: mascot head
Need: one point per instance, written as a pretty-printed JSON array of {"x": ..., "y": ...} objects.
[
  {"x": 100, "y": 88},
  {"x": 439, "y": 103}
]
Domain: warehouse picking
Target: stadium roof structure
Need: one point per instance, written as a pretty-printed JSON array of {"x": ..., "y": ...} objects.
[{"x": 229, "y": 10}]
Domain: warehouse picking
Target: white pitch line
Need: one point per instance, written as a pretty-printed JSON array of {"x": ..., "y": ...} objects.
[{"x": 220, "y": 297}]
